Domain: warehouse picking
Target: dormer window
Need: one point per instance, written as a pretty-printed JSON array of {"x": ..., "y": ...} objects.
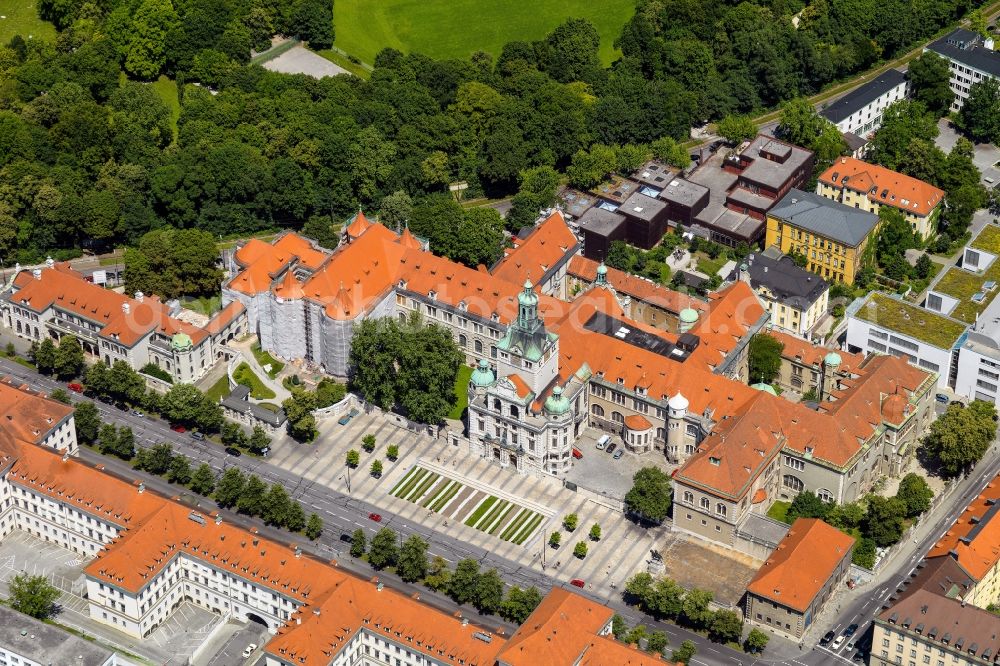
[
  {"x": 432, "y": 294},
  {"x": 715, "y": 461}
]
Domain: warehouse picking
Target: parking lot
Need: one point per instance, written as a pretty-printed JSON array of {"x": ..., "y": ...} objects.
[
  {"x": 231, "y": 652},
  {"x": 600, "y": 472}
]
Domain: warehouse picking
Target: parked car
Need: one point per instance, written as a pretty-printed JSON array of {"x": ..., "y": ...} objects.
[
  {"x": 601, "y": 444},
  {"x": 249, "y": 650},
  {"x": 198, "y": 435},
  {"x": 577, "y": 453},
  {"x": 178, "y": 428},
  {"x": 618, "y": 454},
  {"x": 377, "y": 517},
  {"x": 611, "y": 447},
  {"x": 236, "y": 453},
  {"x": 837, "y": 643},
  {"x": 577, "y": 582},
  {"x": 827, "y": 637},
  {"x": 942, "y": 398},
  {"x": 137, "y": 412},
  {"x": 851, "y": 629},
  {"x": 74, "y": 387}
]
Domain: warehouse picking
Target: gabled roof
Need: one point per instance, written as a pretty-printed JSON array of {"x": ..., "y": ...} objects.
[
  {"x": 974, "y": 539},
  {"x": 646, "y": 291},
  {"x": 543, "y": 249},
  {"x": 63, "y": 288},
  {"x": 883, "y": 186},
  {"x": 27, "y": 414},
  {"x": 863, "y": 95},
  {"x": 262, "y": 261},
  {"x": 564, "y": 629},
  {"x": 801, "y": 565},
  {"x": 797, "y": 349},
  {"x": 358, "y": 225},
  {"x": 224, "y": 317}
]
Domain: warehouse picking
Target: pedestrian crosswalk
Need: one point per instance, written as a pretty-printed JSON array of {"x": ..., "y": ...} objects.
[{"x": 444, "y": 487}]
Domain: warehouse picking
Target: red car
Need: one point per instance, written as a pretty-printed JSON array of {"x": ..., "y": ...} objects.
[
  {"x": 577, "y": 582},
  {"x": 178, "y": 428},
  {"x": 76, "y": 388},
  {"x": 577, "y": 453},
  {"x": 377, "y": 517}
]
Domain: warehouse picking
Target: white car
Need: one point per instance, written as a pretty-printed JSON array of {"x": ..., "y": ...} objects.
[
  {"x": 838, "y": 642},
  {"x": 249, "y": 650}
]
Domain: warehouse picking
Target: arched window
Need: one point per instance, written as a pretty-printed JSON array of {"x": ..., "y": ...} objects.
[
  {"x": 661, "y": 433},
  {"x": 688, "y": 497},
  {"x": 514, "y": 413},
  {"x": 793, "y": 483},
  {"x": 402, "y": 317},
  {"x": 824, "y": 495},
  {"x": 705, "y": 503},
  {"x": 597, "y": 410},
  {"x": 720, "y": 509},
  {"x": 479, "y": 347},
  {"x": 617, "y": 417},
  {"x": 493, "y": 351},
  {"x": 496, "y": 404},
  {"x": 463, "y": 341}
]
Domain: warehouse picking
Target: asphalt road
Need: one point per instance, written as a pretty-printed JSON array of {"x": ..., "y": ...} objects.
[{"x": 343, "y": 514}]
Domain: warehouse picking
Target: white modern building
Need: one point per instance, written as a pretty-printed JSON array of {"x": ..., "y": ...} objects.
[
  {"x": 885, "y": 324},
  {"x": 972, "y": 60},
  {"x": 859, "y": 112},
  {"x": 978, "y": 374}
]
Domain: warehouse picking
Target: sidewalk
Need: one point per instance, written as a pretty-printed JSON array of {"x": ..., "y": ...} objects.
[{"x": 244, "y": 347}]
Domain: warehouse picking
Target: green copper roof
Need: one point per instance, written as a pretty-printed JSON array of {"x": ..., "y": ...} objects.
[
  {"x": 557, "y": 403},
  {"x": 181, "y": 342},
  {"x": 831, "y": 360},
  {"x": 527, "y": 295},
  {"x": 689, "y": 315},
  {"x": 766, "y": 388},
  {"x": 482, "y": 375}
]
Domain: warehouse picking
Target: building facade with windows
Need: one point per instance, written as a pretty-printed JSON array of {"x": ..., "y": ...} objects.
[
  {"x": 808, "y": 369},
  {"x": 56, "y": 300},
  {"x": 831, "y": 236},
  {"x": 971, "y": 59},
  {"x": 869, "y": 187},
  {"x": 796, "y": 298}
]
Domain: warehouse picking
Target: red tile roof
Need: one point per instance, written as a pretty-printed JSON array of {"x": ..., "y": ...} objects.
[
  {"x": 224, "y": 317},
  {"x": 901, "y": 191},
  {"x": 358, "y": 225},
  {"x": 541, "y": 251},
  {"x": 801, "y": 564},
  {"x": 638, "y": 288},
  {"x": 637, "y": 422},
  {"x": 63, "y": 288},
  {"x": 565, "y": 629},
  {"x": 263, "y": 262},
  {"x": 974, "y": 539},
  {"x": 805, "y": 352},
  {"x": 26, "y": 414}
]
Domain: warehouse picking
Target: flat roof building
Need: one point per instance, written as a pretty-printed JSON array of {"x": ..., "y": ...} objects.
[{"x": 26, "y": 641}]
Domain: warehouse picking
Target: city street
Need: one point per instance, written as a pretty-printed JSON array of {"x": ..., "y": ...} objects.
[{"x": 343, "y": 514}]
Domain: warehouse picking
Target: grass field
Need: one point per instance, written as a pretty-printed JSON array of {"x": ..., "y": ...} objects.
[
  {"x": 166, "y": 89},
  {"x": 458, "y": 28},
  {"x": 461, "y": 392},
  {"x": 245, "y": 376},
  {"x": 219, "y": 389},
  {"x": 21, "y": 18}
]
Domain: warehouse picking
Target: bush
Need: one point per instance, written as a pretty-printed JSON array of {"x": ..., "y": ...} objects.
[
  {"x": 154, "y": 370},
  {"x": 580, "y": 550},
  {"x": 353, "y": 458},
  {"x": 368, "y": 442},
  {"x": 555, "y": 539},
  {"x": 392, "y": 453},
  {"x": 570, "y": 522}
]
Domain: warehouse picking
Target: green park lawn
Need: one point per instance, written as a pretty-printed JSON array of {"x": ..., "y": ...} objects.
[
  {"x": 461, "y": 392},
  {"x": 218, "y": 390},
  {"x": 166, "y": 89},
  {"x": 457, "y": 28},
  {"x": 21, "y": 18},
  {"x": 245, "y": 376}
]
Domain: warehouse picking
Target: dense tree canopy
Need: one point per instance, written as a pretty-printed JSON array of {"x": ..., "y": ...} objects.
[
  {"x": 649, "y": 497},
  {"x": 960, "y": 436}
]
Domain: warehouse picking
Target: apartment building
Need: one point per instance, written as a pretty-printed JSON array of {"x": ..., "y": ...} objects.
[
  {"x": 56, "y": 300},
  {"x": 859, "y": 112},
  {"x": 796, "y": 298},
  {"x": 868, "y": 187},
  {"x": 798, "y": 577},
  {"x": 972, "y": 59},
  {"x": 831, "y": 236}
]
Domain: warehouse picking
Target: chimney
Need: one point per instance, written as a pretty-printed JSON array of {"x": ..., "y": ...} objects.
[
  {"x": 988, "y": 43},
  {"x": 218, "y": 519},
  {"x": 65, "y": 454},
  {"x": 138, "y": 296},
  {"x": 37, "y": 273},
  {"x": 49, "y": 262},
  {"x": 142, "y": 488},
  {"x": 298, "y": 552},
  {"x": 126, "y": 308}
]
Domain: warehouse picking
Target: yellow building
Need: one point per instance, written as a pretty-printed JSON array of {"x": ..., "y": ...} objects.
[
  {"x": 868, "y": 187},
  {"x": 833, "y": 237}
]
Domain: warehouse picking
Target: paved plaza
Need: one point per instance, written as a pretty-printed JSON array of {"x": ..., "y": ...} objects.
[{"x": 450, "y": 492}]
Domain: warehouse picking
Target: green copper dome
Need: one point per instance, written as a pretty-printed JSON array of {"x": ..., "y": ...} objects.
[
  {"x": 527, "y": 295},
  {"x": 557, "y": 403},
  {"x": 181, "y": 342},
  {"x": 689, "y": 315},
  {"x": 482, "y": 376},
  {"x": 832, "y": 360},
  {"x": 766, "y": 388}
]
